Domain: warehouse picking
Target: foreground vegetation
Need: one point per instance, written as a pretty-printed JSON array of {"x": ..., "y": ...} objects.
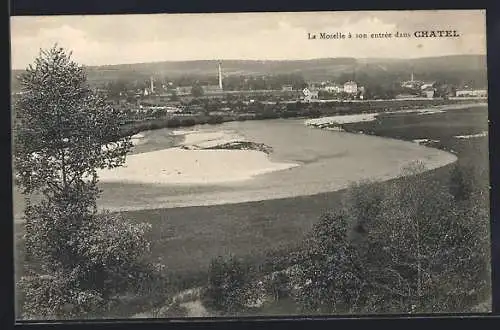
[
  {"x": 263, "y": 236},
  {"x": 419, "y": 244},
  {"x": 76, "y": 259}
]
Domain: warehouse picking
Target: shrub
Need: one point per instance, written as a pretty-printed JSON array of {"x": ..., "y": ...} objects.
[
  {"x": 362, "y": 202},
  {"x": 330, "y": 275},
  {"x": 423, "y": 251},
  {"x": 57, "y": 296},
  {"x": 96, "y": 255}
]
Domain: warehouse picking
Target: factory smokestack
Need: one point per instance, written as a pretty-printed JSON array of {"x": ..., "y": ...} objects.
[
  {"x": 220, "y": 75},
  {"x": 152, "y": 85}
]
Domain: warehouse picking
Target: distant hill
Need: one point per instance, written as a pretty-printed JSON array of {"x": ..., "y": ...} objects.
[
  {"x": 453, "y": 69},
  {"x": 308, "y": 68},
  {"x": 457, "y": 67}
]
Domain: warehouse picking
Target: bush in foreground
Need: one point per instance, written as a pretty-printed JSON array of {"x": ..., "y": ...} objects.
[{"x": 227, "y": 290}]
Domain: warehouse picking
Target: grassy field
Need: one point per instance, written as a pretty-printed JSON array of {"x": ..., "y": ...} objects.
[{"x": 187, "y": 238}]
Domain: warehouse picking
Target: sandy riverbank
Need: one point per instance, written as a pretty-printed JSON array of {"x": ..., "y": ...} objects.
[{"x": 191, "y": 164}]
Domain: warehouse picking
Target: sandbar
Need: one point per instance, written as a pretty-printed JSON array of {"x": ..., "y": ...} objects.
[{"x": 191, "y": 164}]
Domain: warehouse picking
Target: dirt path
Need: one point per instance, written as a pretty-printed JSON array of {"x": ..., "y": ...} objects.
[{"x": 195, "y": 309}]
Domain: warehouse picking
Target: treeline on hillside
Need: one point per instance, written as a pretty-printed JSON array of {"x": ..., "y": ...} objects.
[
  {"x": 274, "y": 82},
  {"x": 373, "y": 78},
  {"x": 230, "y": 83},
  {"x": 412, "y": 245},
  {"x": 468, "y": 69}
]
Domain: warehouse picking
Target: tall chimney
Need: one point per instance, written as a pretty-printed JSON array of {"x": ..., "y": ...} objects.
[
  {"x": 220, "y": 75},
  {"x": 152, "y": 85},
  {"x": 412, "y": 76}
]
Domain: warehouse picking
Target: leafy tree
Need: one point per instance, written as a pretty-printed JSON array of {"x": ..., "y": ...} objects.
[
  {"x": 362, "y": 202},
  {"x": 330, "y": 275},
  {"x": 421, "y": 250},
  {"x": 117, "y": 88},
  {"x": 424, "y": 252},
  {"x": 197, "y": 91},
  {"x": 63, "y": 130},
  {"x": 174, "y": 97},
  {"x": 227, "y": 285},
  {"x": 77, "y": 257}
]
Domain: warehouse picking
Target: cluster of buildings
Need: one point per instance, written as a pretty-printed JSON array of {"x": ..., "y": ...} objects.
[
  {"x": 430, "y": 89},
  {"x": 426, "y": 89},
  {"x": 185, "y": 90},
  {"x": 350, "y": 89}
]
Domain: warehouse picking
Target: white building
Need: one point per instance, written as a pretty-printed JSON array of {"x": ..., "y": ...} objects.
[
  {"x": 310, "y": 94},
  {"x": 427, "y": 86},
  {"x": 362, "y": 92},
  {"x": 429, "y": 92},
  {"x": 314, "y": 94},
  {"x": 334, "y": 88},
  {"x": 209, "y": 89},
  {"x": 351, "y": 87}
]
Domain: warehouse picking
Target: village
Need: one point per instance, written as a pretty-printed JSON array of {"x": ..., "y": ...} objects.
[{"x": 185, "y": 97}]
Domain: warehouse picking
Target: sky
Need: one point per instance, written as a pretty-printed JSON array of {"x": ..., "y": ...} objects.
[{"x": 120, "y": 39}]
